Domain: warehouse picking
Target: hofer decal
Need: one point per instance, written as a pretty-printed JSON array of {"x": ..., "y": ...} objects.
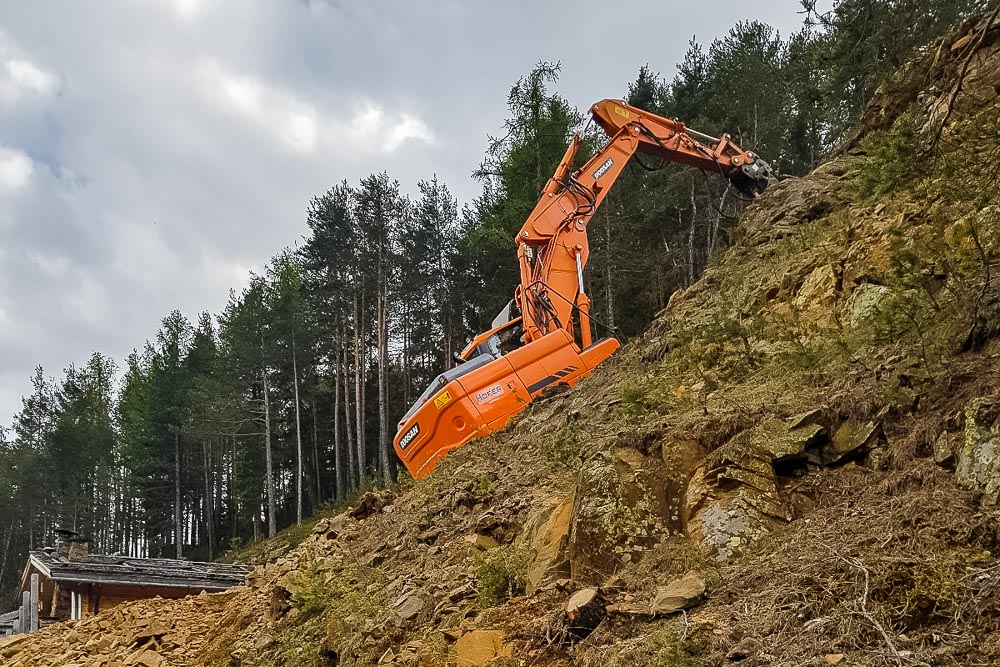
[{"x": 489, "y": 395}]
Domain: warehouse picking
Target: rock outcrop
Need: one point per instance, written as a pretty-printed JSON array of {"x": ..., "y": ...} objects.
[{"x": 979, "y": 453}]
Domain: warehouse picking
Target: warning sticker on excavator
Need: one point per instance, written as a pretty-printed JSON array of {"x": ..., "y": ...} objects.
[
  {"x": 489, "y": 395},
  {"x": 442, "y": 400},
  {"x": 621, "y": 112}
]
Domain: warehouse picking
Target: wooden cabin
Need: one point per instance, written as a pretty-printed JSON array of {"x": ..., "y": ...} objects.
[{"x": 71, "y": 583}]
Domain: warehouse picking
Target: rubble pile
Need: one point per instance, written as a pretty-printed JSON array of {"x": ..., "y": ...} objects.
[{"x": 147, "y": 633}]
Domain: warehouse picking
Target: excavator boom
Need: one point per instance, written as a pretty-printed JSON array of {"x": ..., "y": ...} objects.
[{"x": 548, "y": 340}]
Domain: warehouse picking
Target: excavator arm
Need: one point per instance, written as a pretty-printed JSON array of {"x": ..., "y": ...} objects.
[
  {"x": 552, "y": 244},
  {"x": 550, "y": 341}
]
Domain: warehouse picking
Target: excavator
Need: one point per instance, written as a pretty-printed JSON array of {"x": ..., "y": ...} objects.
[{"x": 543, "y": 337}]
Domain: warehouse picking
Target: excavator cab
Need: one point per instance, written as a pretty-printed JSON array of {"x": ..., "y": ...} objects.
[{"x": 502, "y": 338}]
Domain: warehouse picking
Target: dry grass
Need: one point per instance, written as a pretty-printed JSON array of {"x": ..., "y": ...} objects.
[{"x": 889, "y": 568}]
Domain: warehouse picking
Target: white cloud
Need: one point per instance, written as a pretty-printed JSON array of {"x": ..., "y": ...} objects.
[
  {"x": 21, "y": 77},
  {"x": 188, "y": 9},
  {"x": 362, "y": 124},
  {"x": 15, "y": 168},
  {"x": 5, "y": 323},
  {"x": 271, "y": 110},
  {"x": 406, "y": 127},
  {"x": 30, "y": 76},
  {"x": 53, "y": 265},
  {"x": 370, "y": 128}
]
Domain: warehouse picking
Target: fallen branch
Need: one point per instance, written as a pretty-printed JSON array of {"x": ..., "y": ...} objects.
[
  {"x": 859, "y": 565},
  {"x": 966, "y": 62}
]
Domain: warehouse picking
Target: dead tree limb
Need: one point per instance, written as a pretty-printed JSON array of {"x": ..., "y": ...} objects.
[{"x": 963, "y": 71}]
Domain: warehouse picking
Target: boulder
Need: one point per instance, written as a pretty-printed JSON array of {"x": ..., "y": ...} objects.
[
  {"x": 851, "y": 439},
  {"x": 371, "y": 502},
  {"x": 479, "y": 647},
  {"x": 146, "y": 658},
  {"x": 866, "y": 303},
  {"x": 732, "y": 498},
  {"x": 978, "y": 465},
  {"x": 786, "y": 440},
  {"x": 794, "y": 201},
  {"x": 479, "y": 543},
  {"x": 547, "y": 536},
  {"x": 409, "y": 606},
  {"x": 817, "y": 297},
  {"x": 744, "y": 649},
  {"x": 679, "y": 594},
  {"x": 944, "y": 450}
]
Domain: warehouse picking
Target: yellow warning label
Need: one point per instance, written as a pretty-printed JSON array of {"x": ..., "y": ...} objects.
[
  {"x": 622, "y": 112},
  {"x": 442, "y": 400}
]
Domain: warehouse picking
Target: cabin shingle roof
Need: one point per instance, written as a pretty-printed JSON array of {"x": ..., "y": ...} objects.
[{"x": 127, "y": 571}]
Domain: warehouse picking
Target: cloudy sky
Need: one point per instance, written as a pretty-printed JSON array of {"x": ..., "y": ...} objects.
[{"x": 153, "y": 152}]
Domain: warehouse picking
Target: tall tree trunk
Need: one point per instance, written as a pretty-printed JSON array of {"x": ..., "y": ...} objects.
[
  {"x": 351, "y": 479},
  {"x": 6, "y": 546},
  {"x": 233, "y": 501},
  {"x": 609, "y": 291},
  {"x": 272, "y": 522},
  {"x": 338, "y": 453},
  {"x": 298, "y": 437},
  {"x": 716, "y": 223},
  {"x": 178, "y": 520},
  {"x": 219, "y": 476},
  {"x": 359, "y": 383},
  {"x": 209, "y": 514},
  {"x": 319, "y": 482},
  {"x": 694, "y": 218},
  {"x": 383, "y": 386},
  {"x": 407, "y": 361}
]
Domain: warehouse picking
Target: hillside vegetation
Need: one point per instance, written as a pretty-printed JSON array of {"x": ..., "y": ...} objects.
[
  {"x": 224, "y": 428},
  {"x": 796, "y": 464}
]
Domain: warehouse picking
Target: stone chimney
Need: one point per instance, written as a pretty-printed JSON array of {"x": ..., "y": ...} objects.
[{"x": 71, "y": 545}]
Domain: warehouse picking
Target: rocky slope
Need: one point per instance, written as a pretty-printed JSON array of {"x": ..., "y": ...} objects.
[{"x": 797, "y": 465}]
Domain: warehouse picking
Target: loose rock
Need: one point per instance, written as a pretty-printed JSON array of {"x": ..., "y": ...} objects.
[{"x": 679, "y": 594}]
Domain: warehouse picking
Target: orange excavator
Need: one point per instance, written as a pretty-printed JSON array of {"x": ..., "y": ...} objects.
[{"x": 543, "y": 336}]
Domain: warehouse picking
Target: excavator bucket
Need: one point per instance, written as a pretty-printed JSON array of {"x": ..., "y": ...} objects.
[
  {"x": 752, "y": 179},
  {"x": 480, "y": 396}
]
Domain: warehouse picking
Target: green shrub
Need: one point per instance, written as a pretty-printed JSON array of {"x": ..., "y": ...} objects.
[
  {"x": 562, "y": 448},
  {"x": 500, "y": 574},
  {"x": 633, "y": 401},
  {"x": 669, "y": 648},
  {"x": 892, "y": 159},
  {"x": 346, "y": 590}
]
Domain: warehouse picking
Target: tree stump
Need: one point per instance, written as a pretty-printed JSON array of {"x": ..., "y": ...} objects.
[{"x": 584, "y": 611}]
